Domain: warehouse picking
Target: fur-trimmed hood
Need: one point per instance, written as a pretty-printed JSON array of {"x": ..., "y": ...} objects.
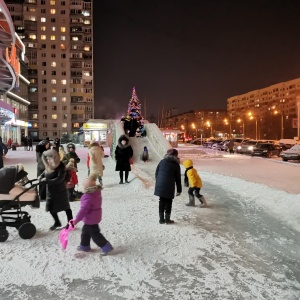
[
  {"x": 92, "y": 189},
  {"x": 123, "y": 137},
  {"x": 55, "y": 157}
]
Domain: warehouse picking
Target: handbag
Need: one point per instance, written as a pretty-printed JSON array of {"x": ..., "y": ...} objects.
[
  {"x": 64, "y": 235},
  {"x": 130, "y": 161}
]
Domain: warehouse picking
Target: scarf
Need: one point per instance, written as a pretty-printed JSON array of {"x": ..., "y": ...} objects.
[{"x": 186, "y": 180}]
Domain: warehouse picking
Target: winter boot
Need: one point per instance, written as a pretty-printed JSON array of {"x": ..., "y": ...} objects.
[
  {"x": 168, "y": 220},
  {"x": 55, "y": 225},
  {"x": 106, "y": 249},
  {"x": 161, "y": 218},
  {"x": 191, "y": 201},
  {"x": 203, "y": 201}
]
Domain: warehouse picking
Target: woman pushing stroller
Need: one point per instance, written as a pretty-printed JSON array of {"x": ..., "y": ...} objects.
[{"x": 56, "y": 190}]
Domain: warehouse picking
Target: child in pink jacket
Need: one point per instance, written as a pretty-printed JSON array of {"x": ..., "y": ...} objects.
[{"x": 91, "y": 214}]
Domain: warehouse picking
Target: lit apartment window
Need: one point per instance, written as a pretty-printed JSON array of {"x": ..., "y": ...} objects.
[
  {"x": 32, "y": 36},
  {"x": 62, "y": 29},
  {"x": 53, "y": 28},
  {"x": 86, "y": 48},
  {"x": 43, "y": 37},
  {"x": 62, "y": 47},
  {"x": 52, "y": 2},
  {"x": 62, "y": 38},
  {"x": 53, "y": 99},
  {"x": 64, "y": 125},
  {"x": 86, "y": 73},
  {"x": 54, "y": 116},
  {"x": 64, "y": 81},
  {"x": 43, "y": 20},
  {"x": 52, "y": 11},
  {"x": 43, "y": 28},
  {"x": 34, "y": 116},
  {"x": 75, "y": 38},
  {"x": 53, "y": 64},
  {"x": 53, "y": 91},
  {"x": 75, "y": 125},
  {"x": 35, "y": 125},
  {"x": 53, "y": 81},
  {"x": 64, "y": 99},
  {"x": 52, "y": 37},
  {"x": 87, "y": 22}
]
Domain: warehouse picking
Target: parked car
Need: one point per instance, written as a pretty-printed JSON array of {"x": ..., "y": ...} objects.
[
  {"x": 246, "y": 147},
  {"x": 217, "y": 146},
  {"x": 291, "y": 154},
  {"x": 198, "y": 141},
  {"x": 266, "y": 150}
]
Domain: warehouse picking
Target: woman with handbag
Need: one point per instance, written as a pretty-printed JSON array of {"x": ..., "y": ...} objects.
[{"x": 123, "y": 155}]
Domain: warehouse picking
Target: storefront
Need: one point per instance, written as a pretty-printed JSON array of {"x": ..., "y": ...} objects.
[
  {"x": 96, "y": 130},
  {"x": 171, "y": 136}
]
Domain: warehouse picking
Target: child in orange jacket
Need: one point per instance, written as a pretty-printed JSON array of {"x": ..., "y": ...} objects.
[{"x": 71, "y": 179}]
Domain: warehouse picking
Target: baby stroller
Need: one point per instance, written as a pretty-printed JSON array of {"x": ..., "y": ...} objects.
[{"x": 12, "y": 198}]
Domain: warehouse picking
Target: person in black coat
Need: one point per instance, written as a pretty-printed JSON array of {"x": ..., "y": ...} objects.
[
  {"x": 167, "y": 174},
  {"x": 40, "y": 148},
  {"x": 54, "y": 178},
  {"x": 123, "y": 153},
  {"x": 3, "y": 152}
]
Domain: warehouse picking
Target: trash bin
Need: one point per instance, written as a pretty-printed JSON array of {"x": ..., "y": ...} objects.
[{"x": 14, "y": 147}]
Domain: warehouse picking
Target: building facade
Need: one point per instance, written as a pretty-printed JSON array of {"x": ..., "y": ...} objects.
[
  {"x": 58, "y": 38},
  {"x": 268, "y": 113},
  {"x": 13, "y": 81}
]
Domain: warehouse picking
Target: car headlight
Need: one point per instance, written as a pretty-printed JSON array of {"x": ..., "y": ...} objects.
[
  {"x": 265, "y": 151},
  {"x": 250, "y": 148},
  {"x": 239, "y": 147}
]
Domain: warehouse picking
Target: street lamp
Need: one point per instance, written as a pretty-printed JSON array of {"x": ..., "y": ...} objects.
[
  {"x": 251, "y": 118},
  {"x": 209, "y": 125},
  {"x": 276, "y": 112},
  {"x": 228, "y": 123},
  {"x": 239, "y": 121}
]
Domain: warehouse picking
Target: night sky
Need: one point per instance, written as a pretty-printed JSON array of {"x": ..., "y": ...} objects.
[{"x": 190, "y": 54}]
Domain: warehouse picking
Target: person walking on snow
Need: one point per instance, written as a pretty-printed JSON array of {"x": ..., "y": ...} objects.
[
  {"x": 90, "y": 213},
  {"x": 193, "y": 180},
  {"x": 123, "y": 153},
  {"x": 167, "y": 175},
  {"x": 95, "y": 155}
]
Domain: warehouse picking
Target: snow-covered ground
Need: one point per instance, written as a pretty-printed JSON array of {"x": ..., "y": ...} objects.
[{"x": 245, "y": 245}]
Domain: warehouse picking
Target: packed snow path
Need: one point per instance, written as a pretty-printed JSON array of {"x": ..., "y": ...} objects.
[{"x": 245, "y": 245}]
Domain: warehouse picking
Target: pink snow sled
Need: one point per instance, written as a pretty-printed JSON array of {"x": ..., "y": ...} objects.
[{"x": 64, "y": 235}]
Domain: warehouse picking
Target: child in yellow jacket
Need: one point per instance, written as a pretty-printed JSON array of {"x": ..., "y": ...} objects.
[{"x": 194, "y": 182}]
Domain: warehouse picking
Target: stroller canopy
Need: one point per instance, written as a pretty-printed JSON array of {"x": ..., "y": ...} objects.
[{"x": 9, "y": 176}]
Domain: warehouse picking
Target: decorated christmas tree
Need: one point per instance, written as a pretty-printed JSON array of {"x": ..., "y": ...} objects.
[{"x": 132, "y": 121}]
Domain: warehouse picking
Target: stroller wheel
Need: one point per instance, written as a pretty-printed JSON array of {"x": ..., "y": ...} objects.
[
  {"x": 27, "y": 231},
  {"x": 3, "y": 235}
]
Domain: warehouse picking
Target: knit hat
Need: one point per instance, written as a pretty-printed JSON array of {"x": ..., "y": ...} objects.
[
  {"x": 90, "y": 181},
  {"x": 172, "y": 152}
]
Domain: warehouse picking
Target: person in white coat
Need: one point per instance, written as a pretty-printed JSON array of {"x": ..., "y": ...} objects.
[{"x": 96, "y": 154}]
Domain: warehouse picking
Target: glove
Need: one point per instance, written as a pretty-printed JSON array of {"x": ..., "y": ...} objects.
[{"x": 177, "y": 194}]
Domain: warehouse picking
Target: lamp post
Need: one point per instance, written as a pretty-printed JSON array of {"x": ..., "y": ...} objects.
[
  {"x": 239, "y": 121},
  {"x": 276, "y": 112},
  {"x": 230, "y": 130},
  {"x": 251, "y": 118}
]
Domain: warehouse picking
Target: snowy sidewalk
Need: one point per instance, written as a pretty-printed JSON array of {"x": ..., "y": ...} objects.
[{"x": 232, "y": 250}]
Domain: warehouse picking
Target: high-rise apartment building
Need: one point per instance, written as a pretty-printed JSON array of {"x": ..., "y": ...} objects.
[
  {"x": 58, "y": 36},
  {"x": 268, "y": 113}
]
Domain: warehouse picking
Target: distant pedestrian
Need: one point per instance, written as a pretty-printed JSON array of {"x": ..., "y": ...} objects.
[
  {"x": 123, "y": 154},
  {"x": 145, "y": 155},
  {"x": 71, "y": 153},
  {"x": 3, "y": 152},
  {"x": 231, "y": 147},
  {"x": 26, "y": 143},
  {"x": 167, "y": 175},
  {"x": 61, "y": 152},
  {"x": 71, "y": 179},
  {"x": 96, "y": 154},
  {"x": 9, "y": 143},
  {"x": 90, "y": 213},
  {"x": 194, "y": 182},
  {"x": 30, "y": 142}
]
